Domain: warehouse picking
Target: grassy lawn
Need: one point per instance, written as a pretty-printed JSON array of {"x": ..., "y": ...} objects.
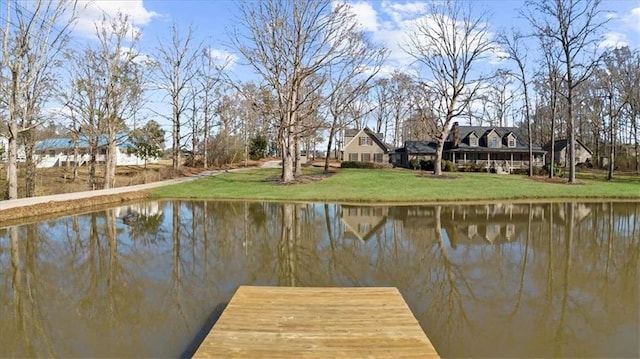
[{"x": 396, "y": 185}]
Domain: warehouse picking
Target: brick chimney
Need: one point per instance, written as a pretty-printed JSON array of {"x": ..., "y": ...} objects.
[{"x": 456, "y": 135}]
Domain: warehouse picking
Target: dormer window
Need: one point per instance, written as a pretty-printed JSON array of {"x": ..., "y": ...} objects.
[
  {"x": 512, "y": 142},
  {"x": 473, "y": 140},
  {"x": 494, "y": 142},
  {"x": 365, "y": 141}
]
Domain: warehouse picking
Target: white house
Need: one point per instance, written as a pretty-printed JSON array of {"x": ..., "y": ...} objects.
[{"x": 53, "y": 152}]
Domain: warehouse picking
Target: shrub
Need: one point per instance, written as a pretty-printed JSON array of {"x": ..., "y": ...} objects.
[
  {"x": 426, "y": 165},
  {"x": 356, "y": 164},
  {"x": 472, "y": 167},
  {"x": 557, "y": 171},
  {"x": 257, "y": 147},
  {"x": 449, "y": 166},
  {"x": 414, "y": 164}
]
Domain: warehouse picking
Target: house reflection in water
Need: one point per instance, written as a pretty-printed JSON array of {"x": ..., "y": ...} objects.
[
  {"x": 362, "y": 222},
  {"x": 499, "y": 223}
]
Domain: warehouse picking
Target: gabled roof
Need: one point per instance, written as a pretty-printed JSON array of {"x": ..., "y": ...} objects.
[
  {"x": 560, "y": 145},
  {"x": 420, "y": 147},
  {"x": 471, "y": 133},
  {"x": 375, "y": 136},
  {"x": 353, "y": 132},
  {"x": 465, "y": 131}
]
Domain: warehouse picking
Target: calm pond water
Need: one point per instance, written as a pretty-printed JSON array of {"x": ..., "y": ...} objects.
[{"x": 498, "y": 280}]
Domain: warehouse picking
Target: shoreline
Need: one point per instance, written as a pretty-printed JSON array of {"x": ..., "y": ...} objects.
[{"x": 42, "y": 210}]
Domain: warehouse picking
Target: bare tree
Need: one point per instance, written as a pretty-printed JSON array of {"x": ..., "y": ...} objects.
[
  {"x": 177, "y": 62},
  {"x": 573, "y": 25},
  {"x": 401, "y": 88},
  {"x": 33, "y": 38},
  {"x": 617, "y": 81},
  {"x": 347, "y": 84},
  {"x": 209, "y": 76},
  {"x": 516, "y": 50},
  {"x": 552, "y": 86},
  {"x": 447, "y": 45},
  {"x": 288, "y": 42},
  {"x": 106, "y": 90},
  {"x": 498, "y": 98}
]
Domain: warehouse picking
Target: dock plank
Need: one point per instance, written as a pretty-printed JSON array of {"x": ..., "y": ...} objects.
[{"x": 294, "y": 322}]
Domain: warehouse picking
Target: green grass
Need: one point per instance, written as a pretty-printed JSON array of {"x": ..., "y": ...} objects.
[{"x": 360, "y": 185}]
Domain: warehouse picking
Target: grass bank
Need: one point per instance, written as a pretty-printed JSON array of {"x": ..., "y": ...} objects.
[{"x": 396, "y": 185}]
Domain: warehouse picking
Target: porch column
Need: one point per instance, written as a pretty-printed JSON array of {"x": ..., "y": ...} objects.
[
  {"x": 512, "y": 159},
  {"x": 454, "y": 156},
  {"x": 488, "y": 160},
  {"x": 464, "y": 156}
]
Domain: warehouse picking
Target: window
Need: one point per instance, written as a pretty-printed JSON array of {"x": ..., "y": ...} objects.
[
  {"x": 494, "y": 142},
  {"x": 353, "y": 157},
  {"x": 365, "y": 141},
  {"x": 473, "y": 141},
  {"x": 377, "y": 157},
  {"x": 366, "y": 157},
  {"x": 512, "y": 142}
]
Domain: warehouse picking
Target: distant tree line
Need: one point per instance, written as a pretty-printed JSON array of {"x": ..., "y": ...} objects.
[{"x": 318, "y": 73}]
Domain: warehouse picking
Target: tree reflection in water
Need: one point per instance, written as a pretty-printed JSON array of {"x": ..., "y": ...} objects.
[{"x": 517, "y": 280}]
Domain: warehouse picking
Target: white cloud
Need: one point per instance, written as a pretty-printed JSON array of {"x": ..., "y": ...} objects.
[
  {"x": 365, "y": 14},
  {"x": 497, "y": 55},
  {"x": 614, "y": 40},
  {"x": 634, "y": 19},
  {"x": 400, "y": 12},
  {"x": 611, "y": 15},
  {"x": 223, "y": 58},
  {"x": 92, "y": 12}
]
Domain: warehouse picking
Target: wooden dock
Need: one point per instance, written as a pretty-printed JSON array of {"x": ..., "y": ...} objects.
[{"x": 291, "y": 322}]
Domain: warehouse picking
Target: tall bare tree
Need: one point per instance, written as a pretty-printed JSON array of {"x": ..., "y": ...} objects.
[
  {"x": 616, "y": 78},
  {"x": 517, "y": 51},
  {"x": 287, "y": 42},
  {"x": 106, "y": 90},
  {"x": 348, "y": 85},
  {"x": 177, "y": 61},
  {"x": 208, "y": 78},
  {"x": 551, "y": 85},
  {"x": 446, "y": 46},
  {"x": 33, "y": 37},
  {"x": 574, "y": 26}
]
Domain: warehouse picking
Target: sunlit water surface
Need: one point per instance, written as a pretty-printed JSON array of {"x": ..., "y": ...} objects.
[{"x": 499, "y": 280}]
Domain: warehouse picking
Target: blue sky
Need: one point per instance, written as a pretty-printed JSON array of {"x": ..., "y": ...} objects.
[{"x": 213, "y": 20}]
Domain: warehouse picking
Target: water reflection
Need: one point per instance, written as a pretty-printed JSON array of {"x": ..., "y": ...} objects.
[{"x": 511, "y": 280}]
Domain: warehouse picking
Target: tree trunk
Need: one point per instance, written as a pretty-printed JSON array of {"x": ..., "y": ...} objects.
[
  {"x": 612, "y": 138},
  {"x": 110, "y": 172},
  {"x": 12, "y": 162},
  {"x": 93, "y": 149},
  {"x": 572, "y": 143},
  {"x": 437, "y": 166},
  {"x": 635, "y": 138},
  {"x": 76, "y": 160},
  {"x": 298, "y": 158},
  {"x": 328, "y": 154},
  {"x": 177, "y": 165},
  {"x": 30, "y": 165},
  {"x": 12, "y": 156},
  {"x": 286, "y": 145}
]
